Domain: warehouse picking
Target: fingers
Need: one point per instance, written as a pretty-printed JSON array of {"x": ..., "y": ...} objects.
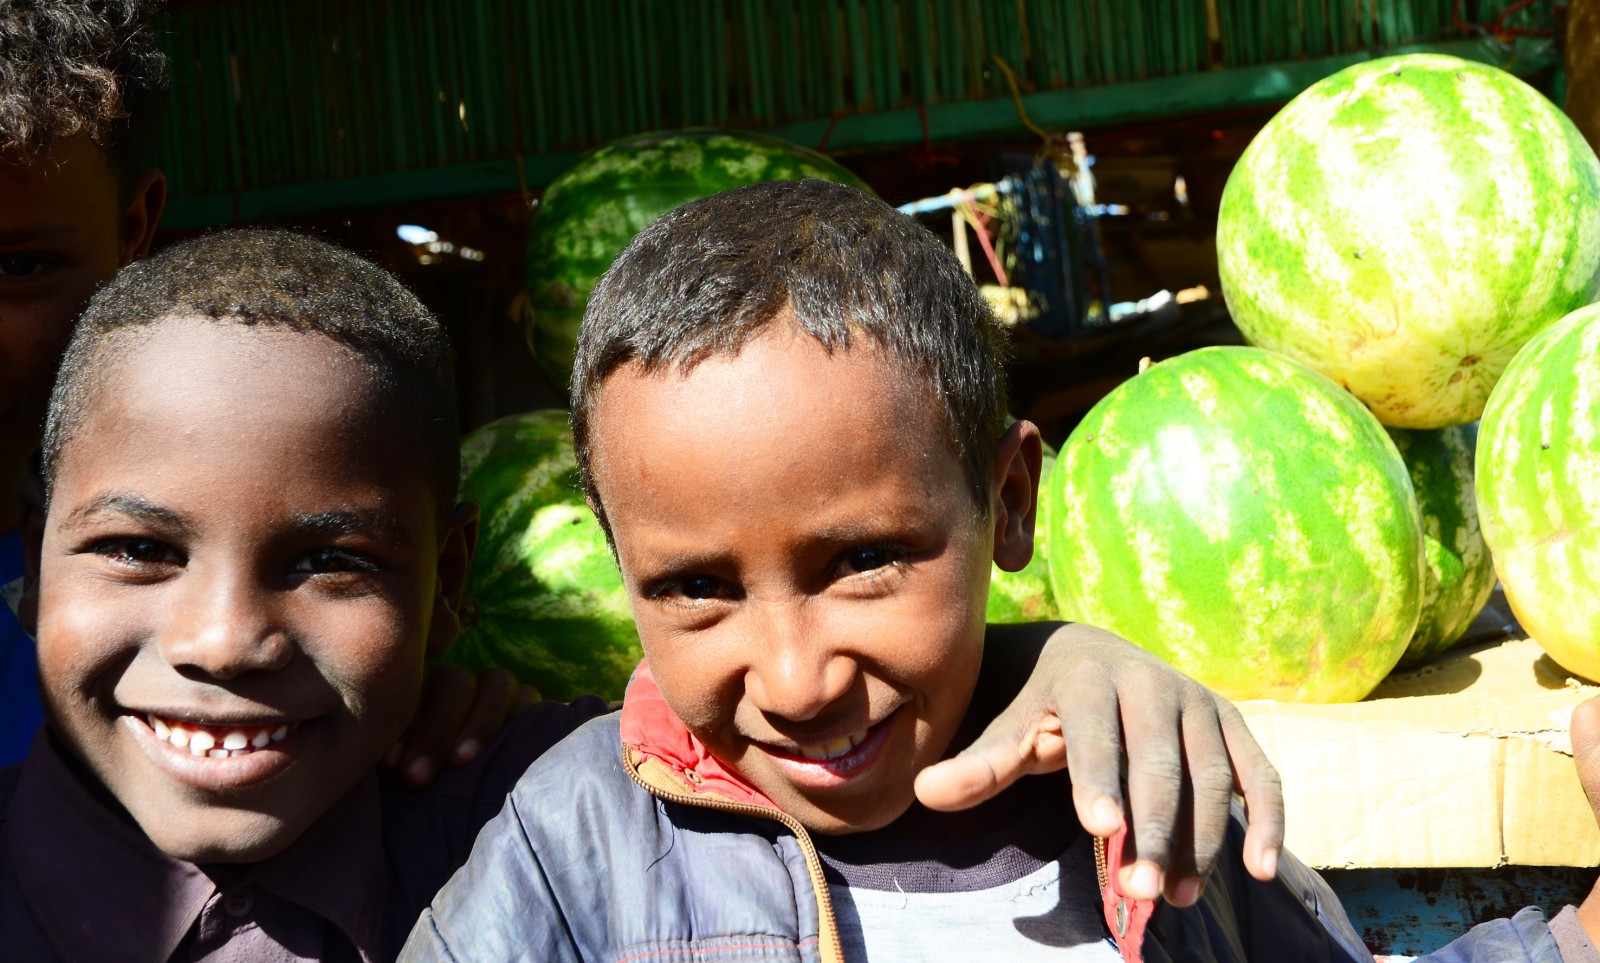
[
  {"x": 497, "y": 695},
  {"x": 1207, "y": 797},
  {"x": 1093, "y": 733},
  {"x": 1258, "y": 781},
  {"x": 527, "y": 698},
  {"x": 447, "y": 696},
  {"x": 995, "y": 760},
  {"x": 1586, "y": 749}
]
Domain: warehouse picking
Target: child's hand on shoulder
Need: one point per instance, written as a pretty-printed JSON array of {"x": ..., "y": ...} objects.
[
  {"x": 1586, "y": 753},
  {"x": 459, "y": 713},
  {"x": 1092, "y": 697}
]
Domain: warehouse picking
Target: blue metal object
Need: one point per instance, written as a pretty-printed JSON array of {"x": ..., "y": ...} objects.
[{"x": 1409, "y": 912}]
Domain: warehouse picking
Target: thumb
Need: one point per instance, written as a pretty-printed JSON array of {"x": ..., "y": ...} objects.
[
  {"x": 1586, "y": 749},
  {"x": 1019, "y": 742}
]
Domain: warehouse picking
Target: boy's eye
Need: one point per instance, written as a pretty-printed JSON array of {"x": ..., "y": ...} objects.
[
  {"x": 21, "y": 267},
  {"x": 138, "y": 551},
  {"x": 325, "y": 560},
  {"x": 689, "y": 588},
  {"x": 699, "y": 587},
  {"x": 869, "y": 558}
]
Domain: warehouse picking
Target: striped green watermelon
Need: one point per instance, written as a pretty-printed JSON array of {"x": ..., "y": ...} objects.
[
  {"x": 1539, "y": 489},
  {"x": 1026, "y": 596},
  {"x": 544, "y": 598},
  {"x": 593, "y": 209},
  {"x": 1405, "y": 225},
  {"x": 1245, "y": 519},
  {"x": 1459, "y": 575}
]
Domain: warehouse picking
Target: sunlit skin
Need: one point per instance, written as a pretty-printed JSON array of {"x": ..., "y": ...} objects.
[
  {"x": 807, "y": 563},
  {"x": 240, "y": 535},
  {"x": 65, "y": 229}
]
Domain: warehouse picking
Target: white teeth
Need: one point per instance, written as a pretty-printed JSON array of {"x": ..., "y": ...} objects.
[
  {"x": 204, "y": 743},
  {"x": 831, "y": 750}
]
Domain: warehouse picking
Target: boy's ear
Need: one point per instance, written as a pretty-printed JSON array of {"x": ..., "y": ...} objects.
[
  {"x": 142, "y": 214},
  {"x": 455, "y": 559},
  {"x": 1016, "y": 495}
]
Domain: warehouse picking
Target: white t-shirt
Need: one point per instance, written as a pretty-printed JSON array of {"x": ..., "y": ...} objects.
[{"x": 1024, "y": 891}]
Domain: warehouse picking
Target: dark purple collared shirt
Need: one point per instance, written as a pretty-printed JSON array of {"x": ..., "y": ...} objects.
[{"x": 80, "y": 883}]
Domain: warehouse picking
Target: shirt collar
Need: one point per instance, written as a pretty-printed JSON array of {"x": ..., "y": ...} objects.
[{"x": 103, "y": 891}]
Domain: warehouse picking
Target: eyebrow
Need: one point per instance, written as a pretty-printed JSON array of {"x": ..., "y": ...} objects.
[
  {"x": 38, "y": 231},
  {"x": 131, "y": 505},
  {"x": 326, "y": 524},
  {"x": 337, "y": 522}
]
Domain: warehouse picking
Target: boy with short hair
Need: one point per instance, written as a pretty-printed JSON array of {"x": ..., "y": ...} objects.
[
  {"x": 789, "y": 416},
  {"x": 251, "y": 543},
  {"x": 82, "y": 87}
]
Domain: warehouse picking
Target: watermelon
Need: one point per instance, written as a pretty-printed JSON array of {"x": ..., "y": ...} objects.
[
  {"x": 1247, "y": 520},
  {"x": 590, "y": 212},
  {"x": 1538, "y": 489},
  {"x": 1459, "y": 576},
  {"x": 1405, "y": 225},
  {"x": 544, "y": 598},
  {"x": 1026, "y": 596}
]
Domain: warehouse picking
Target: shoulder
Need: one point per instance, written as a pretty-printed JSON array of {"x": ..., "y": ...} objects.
[
  {"x": 1523, "y": 938},
  {"x": 429, "y": 832},
  {"x": 583, "y": 861}
]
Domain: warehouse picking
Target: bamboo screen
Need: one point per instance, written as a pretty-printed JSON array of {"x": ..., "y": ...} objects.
[{"x": 276, "y": 92}]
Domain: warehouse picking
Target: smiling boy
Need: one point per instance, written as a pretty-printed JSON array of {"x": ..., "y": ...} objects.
[
  {"x": 252, "y": 542},
  {"x": 790, "y": 418}
]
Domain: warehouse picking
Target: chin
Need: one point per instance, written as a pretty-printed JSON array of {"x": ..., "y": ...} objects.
[
  {"x": 223, "y": 840},
  {"x": 844, "y": 822}
]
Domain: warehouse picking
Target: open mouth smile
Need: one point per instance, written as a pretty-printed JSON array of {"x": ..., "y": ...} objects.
[
  {"x": 218, "y": 741},
  {"x": 836, "y": 762},
  {"x": 213, "y": 757}
]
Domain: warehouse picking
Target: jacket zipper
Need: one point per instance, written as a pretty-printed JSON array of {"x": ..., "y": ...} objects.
[{"x": 829, "y": 948}]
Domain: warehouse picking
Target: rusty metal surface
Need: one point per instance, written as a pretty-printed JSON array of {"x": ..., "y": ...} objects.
[{"x": 1407, "y": 913}]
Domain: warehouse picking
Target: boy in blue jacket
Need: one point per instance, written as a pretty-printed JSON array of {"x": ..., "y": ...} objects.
[{"x": 790, "y": 417}]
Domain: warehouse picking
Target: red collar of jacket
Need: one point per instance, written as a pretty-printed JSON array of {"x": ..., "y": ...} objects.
[{"x": 651, "y": 727}]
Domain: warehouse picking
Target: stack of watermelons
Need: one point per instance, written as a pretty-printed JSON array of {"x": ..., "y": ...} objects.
[
  {"x": 1388, "y": 242},
  {"x": 1289, "y": 520}
]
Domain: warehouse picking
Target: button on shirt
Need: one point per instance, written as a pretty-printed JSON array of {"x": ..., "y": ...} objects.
[{"x": 80, "y": 882}]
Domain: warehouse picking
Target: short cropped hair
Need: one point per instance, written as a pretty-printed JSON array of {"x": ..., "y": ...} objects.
[
  {"x": 273, "y": 279},
  {"x": 70, "y": 67},
  {"x": 708, "y": 277}
]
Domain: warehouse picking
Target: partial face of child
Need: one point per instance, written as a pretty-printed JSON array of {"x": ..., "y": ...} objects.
[
  {"x": 65, "y": 229},
  {"x": 807, "y": 565},
  {"x": 241, "y": 568}
]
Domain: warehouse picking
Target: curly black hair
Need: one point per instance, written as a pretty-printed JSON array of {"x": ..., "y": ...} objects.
[{"x": 71, "y": 67}]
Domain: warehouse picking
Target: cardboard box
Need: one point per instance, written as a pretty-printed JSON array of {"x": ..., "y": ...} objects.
[{"x": 1463, "y": 762}]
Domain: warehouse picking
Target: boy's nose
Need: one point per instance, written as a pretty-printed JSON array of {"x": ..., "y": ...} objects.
[
  {"x": 795, "y": 673},
  {"x": 224, "y": 630}
]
